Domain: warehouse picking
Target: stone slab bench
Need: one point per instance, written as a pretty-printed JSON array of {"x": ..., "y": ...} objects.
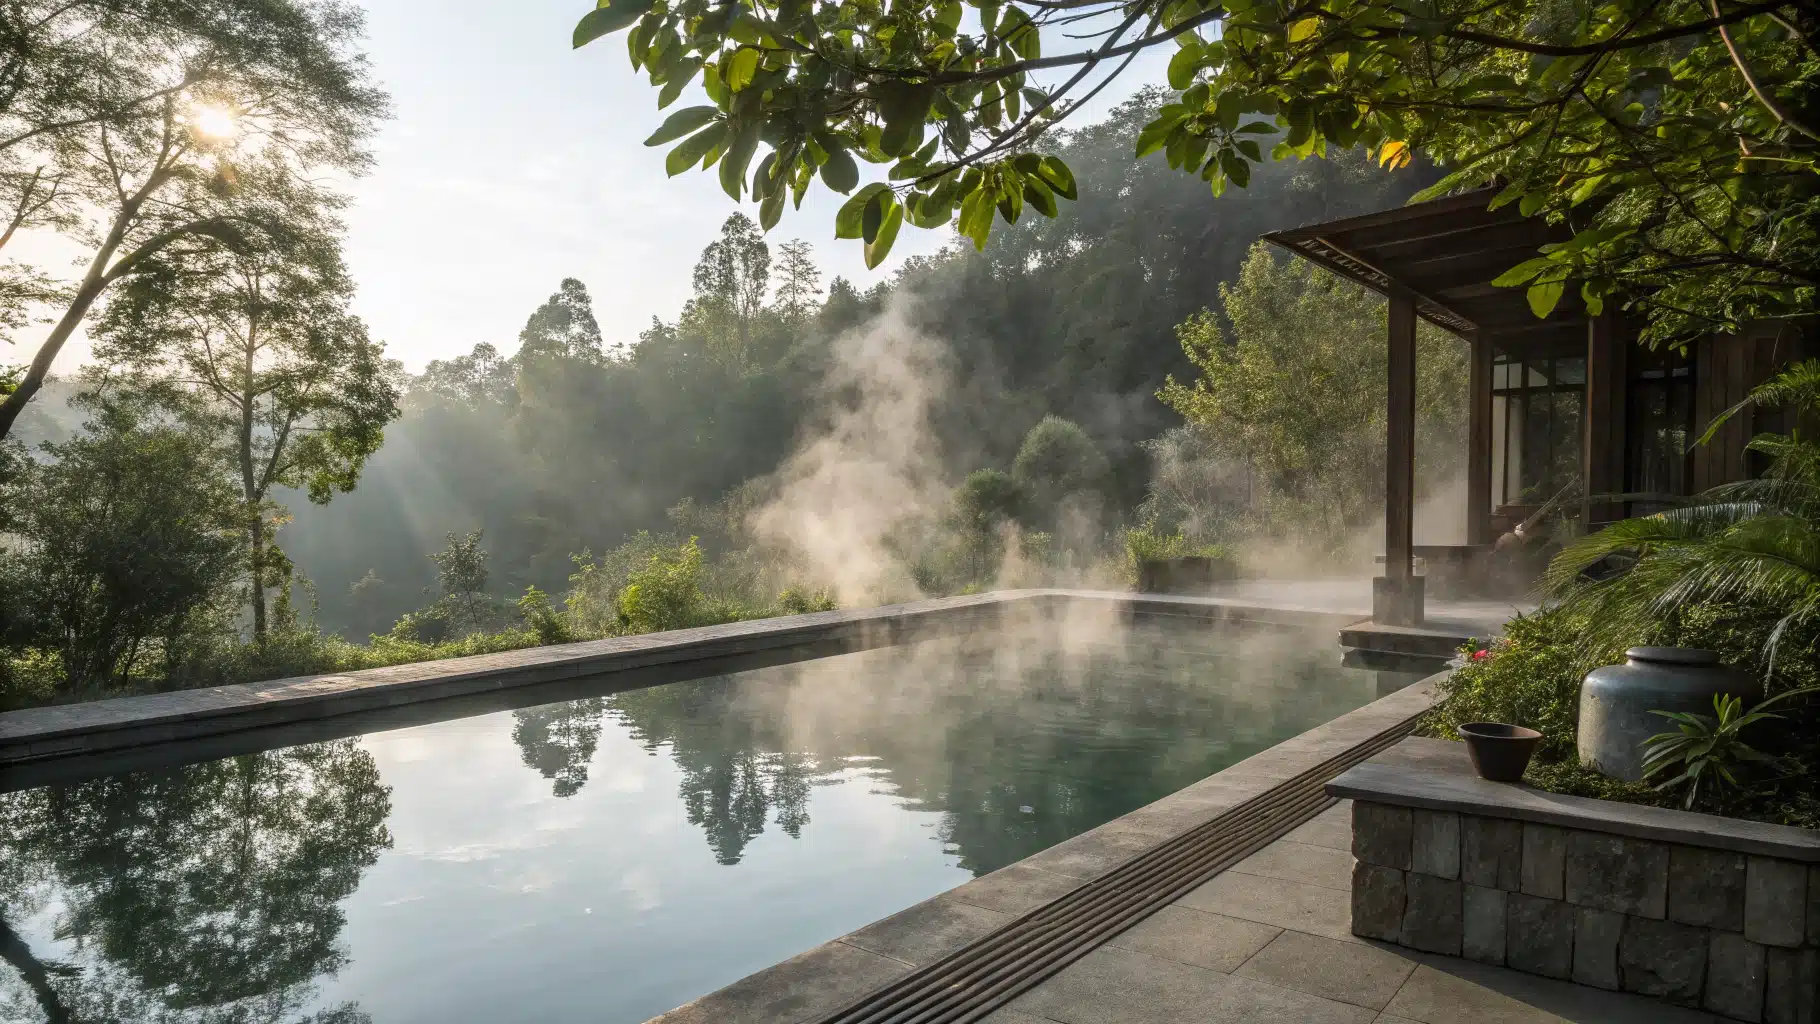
[{"x": 1703, "y": 911}]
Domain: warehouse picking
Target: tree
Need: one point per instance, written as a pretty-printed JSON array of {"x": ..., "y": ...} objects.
[
  {"x": 119, "y": 546},
  {"x": 1677, "y": 139},
  {"x": 730, "y": 282},
  {"x": 1294, "y": 395},
  {"x": 799, "y": 280},
  {"x": 1056, "y": 460},
  {"x": 125, "y": 124},
  {"x": 461, "y": 571},
  {"x": 563, "y": 326},
  {"x": 250, "y": 338}
]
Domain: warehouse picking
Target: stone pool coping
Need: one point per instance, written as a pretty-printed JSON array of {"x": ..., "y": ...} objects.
[
  {"x": 127, "y": 723},
  {"x": 836, "y": 973},
  {"x": 1436, "y": 775}
]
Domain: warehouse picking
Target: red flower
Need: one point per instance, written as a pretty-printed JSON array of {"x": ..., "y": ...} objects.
[{"x": 1481, "y": 654}]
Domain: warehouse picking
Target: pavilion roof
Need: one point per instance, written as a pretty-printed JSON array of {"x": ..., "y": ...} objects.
[{"x": 1445, "y": 252}]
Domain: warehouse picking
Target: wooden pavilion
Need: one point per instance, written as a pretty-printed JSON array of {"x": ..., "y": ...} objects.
[{"x": 1563, "y": 409}]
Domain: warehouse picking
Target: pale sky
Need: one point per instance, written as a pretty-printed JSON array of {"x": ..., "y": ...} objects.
[{"x": 512, "y": 162}]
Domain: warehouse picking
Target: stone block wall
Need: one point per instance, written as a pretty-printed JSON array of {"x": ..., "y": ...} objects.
[{"x": 1728, "y": 932}]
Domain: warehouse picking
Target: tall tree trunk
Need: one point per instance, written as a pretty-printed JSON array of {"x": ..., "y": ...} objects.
[
  {"x": 250, "y": 484},
  {"x": 256, "y": 551}
]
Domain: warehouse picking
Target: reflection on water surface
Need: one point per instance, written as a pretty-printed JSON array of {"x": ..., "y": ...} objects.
[{"x": 605, "y": 859}]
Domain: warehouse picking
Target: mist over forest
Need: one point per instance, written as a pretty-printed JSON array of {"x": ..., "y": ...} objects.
[
  {"x": 561, "y": 441},
  {"x": 1137, "y": 378}
]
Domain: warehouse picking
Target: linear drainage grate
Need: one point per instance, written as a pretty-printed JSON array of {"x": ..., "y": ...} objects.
[{"x": 996, "y": 968}]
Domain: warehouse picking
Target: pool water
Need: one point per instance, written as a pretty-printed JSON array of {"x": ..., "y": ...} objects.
[{"x": 606, "y": 859}]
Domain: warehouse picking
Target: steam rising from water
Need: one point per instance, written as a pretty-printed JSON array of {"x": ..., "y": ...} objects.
[{"x": 869, "y": 470}]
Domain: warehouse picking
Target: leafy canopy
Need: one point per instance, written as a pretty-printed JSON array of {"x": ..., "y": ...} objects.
[{"x": 1676, "y": 137}]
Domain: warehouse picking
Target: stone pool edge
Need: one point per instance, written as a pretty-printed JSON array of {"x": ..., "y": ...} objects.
[
  {"x": 125, "y": 723},
  {"x": 838, "y": 972}
]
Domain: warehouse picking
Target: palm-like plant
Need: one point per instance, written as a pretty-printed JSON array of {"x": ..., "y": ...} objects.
[
  {"x": 1755, "y": 543},
  {"x": 1709, "y": 750}
]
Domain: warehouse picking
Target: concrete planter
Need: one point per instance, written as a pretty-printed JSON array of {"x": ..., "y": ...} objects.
[
  {"x": 1702, "y": 911},
  {"x": 1616, "y": 702}
]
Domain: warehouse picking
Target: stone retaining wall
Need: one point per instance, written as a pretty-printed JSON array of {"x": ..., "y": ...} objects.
[{"x": 1730, "y": 932}]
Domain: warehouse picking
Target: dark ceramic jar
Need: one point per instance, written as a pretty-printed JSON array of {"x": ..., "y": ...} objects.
[{"x": 1616, "y": 701}]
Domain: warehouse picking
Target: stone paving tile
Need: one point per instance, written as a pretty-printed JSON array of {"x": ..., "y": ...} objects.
[
  {"x": 801, "y": 988},
  {"x": 1197, "y": 938},
  {"x": 1014, "y": 889},
  {"x": 1009, "y": 1016},
  {"x": 1331, "y": 828},
  {"x": 1293, "y": 905},
  {"x": 1300, "y": 862},
  {"x": 1385, "y": 1018},
  {"x": 1347, "y": 971},
  {"x": 1116, "y": 986},
  {"x": 928, "y": 931},
  {"x": 1444, "y": 990},
  {"x": 1094, "y": 853}
]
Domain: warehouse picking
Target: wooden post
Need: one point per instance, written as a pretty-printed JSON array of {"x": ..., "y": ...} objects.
[
  {"x": 1478, "y": 443},
  {"x": 1397, "y": 595},
  {"x": 1400, "y": 442},
  {"x": 1602, "y": 456}
]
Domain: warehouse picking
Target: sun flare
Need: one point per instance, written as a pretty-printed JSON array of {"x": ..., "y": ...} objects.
[{"x": 215, "y": 122}]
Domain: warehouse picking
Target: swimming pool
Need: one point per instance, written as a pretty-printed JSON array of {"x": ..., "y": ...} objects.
[{"x": 607, "y": 858}]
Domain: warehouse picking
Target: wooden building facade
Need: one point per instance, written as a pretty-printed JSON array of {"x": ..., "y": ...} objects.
[{"x": 1565, "y": 411}]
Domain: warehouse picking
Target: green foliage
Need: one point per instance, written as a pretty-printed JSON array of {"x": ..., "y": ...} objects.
[
  {"x": 112, "y": 141},
  {"x": 248, "y": 338},
  {"x": 545, "y": 619},
  {"x": 1708, "y": 750},
  {"x": 1678, "y": 145},
  {"x": 117, "y": 550},
  {"x": 666, "y": 593},
  {"x": 1147, "y": 544},
  {"x": 1755, "y": 543},
  {"x": 461, "y": 572},
  {"x": 1292, "y": 399},
  {"x": 1056, "y": 460},
  {"x": 1530, "y": 677}
]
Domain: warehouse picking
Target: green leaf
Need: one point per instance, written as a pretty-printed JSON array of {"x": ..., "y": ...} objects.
[
  {"x": 976, "y": 217},
  {"x": 607, "y": 20},
  {"x": 733, "y": 165},
  {"x": 772, "y": 208},
  {"x": 840, "y": 173},
  {"x": 1038, "y": 195},
  {"x": 1523, "y": 272},
  {"x": 848, "y": 222},
  {"x": 1057, "y": 176},
  {"x": 1545, "y": 295},
  {"x": 880, "y": 245},
  {"x": 873, "y": 215},
  {"x": 741, "y": 68},
  {"x": 1154, "y": 137},
  {"x": 693, "y": 148},
  {"x": 684, "y": 122},
  {"x": 1183, "y": 66}
]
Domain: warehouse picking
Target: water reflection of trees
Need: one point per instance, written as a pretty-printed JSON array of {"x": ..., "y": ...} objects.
[
  {"x": 559, "y": 740},
  {"x": 737, "y": 769},
  {"x": 210, "y": 893},
  {"x": 1018, "y": 747}
]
